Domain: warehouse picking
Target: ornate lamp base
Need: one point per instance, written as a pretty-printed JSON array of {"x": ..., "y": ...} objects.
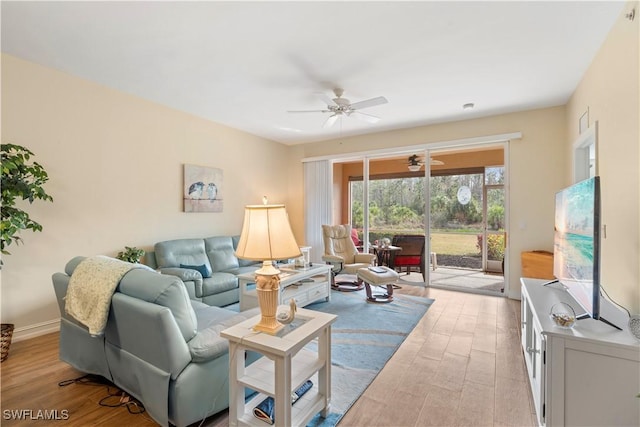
[{"x": 267, "y": 288}]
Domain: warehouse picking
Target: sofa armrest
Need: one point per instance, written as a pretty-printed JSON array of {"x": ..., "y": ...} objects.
[
  {"x": 148, "y": 331},
  {"x": 208, "y": 344},
  {"x": 186, "y": 275},
  {"x": 366, "y": 258},
  {"x": 334, "y": 259}
]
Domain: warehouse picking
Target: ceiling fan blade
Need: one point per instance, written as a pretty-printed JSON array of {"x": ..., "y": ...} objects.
[
  {"x": 328, "y": 101},
  {"x": 369, "y": 103},
  {"x": 366, "y": 117},
  {"x": 436, "y": 162},
  {"x": 308, "y": 111},
  {"x": 330, "y": 121}
]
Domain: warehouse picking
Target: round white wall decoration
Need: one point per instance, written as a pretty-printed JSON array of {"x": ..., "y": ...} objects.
[{"x": 464, "y": 194}]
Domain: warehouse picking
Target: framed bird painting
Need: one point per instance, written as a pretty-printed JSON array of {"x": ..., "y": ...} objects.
[{"x": 202, "y": 189}]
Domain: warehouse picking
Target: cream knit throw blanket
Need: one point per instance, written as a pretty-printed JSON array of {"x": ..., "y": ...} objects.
[{"x": 91, "y": 287}]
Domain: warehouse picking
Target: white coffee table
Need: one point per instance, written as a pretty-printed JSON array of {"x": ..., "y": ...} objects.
[
  {"x": 304, "y": 285},
  {"x": 285, "y": 367}
]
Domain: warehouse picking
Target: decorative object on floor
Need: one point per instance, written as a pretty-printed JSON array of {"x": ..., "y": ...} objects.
[
  {"x": 202, "y": 189},
  {"x": 20, "y": 181},
  {"x": 363, "y": 339},
  {"x": 266, "y": 236},
  {"x": 5, "y": 340},
  {"x": 131, "y": 254}
]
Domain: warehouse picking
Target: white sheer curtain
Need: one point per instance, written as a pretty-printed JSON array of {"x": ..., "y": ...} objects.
[{"x": 317, "y": 204}]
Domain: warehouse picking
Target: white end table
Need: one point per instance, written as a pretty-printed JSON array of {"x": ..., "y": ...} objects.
[{"x": 285, "y": 367}]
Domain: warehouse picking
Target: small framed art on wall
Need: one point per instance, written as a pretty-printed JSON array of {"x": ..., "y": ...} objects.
[{"x": 202, "y": 189}]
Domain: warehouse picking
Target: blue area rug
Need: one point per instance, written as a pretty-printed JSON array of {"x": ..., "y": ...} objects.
[{"x": 363, "y": 339}]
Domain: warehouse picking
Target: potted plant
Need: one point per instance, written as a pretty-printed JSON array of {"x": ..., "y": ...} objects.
[
  {"x": 132, "y": 255},
  {"x": 21, "y": 179}
]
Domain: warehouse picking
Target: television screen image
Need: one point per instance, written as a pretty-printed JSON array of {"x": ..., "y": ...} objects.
[{"x": 577, "y": 243}]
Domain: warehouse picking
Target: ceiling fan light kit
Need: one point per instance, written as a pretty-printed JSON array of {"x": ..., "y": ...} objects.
[
  {"x": 414, "y": 163},
  {"x": 340, "y": 106}
]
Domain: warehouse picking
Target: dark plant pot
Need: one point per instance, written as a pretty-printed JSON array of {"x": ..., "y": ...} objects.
[{"x": 5, "y": 340}]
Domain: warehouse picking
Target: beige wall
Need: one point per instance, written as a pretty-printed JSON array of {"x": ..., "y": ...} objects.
[
  {"x": 115, "y": 163},
  {"x": 610, "y": 91},
  {"x": 115, "y": 166},
  {"x": 536, "y": 164}
]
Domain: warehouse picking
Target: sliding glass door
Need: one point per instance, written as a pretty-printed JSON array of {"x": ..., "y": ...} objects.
[
  {"x": 386, "y": 202},
  {"x": 456, "y": 217},
  {"x": 460, "y": 210},
  {"x": 494, "y": 238}
]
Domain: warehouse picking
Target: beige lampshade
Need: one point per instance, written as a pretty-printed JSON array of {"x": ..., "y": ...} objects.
[{"x": 266, "y": 234}]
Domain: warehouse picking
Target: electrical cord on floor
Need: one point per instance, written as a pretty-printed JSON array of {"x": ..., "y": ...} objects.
[
  {"x": 87, "y": 379},
  {"x": 115, "y": 399},
  {"x": 120, "y": 398}
]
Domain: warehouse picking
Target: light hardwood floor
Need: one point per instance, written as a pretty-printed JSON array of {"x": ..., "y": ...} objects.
[{"x": 461, "y": 366}]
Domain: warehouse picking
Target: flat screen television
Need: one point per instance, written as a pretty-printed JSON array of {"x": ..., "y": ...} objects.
[{"x": 576, "y": 245}]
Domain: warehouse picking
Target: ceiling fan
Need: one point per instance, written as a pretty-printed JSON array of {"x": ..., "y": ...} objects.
[
  {"x": 340, "y": 106},
  {"x": 414, "y": 162}
]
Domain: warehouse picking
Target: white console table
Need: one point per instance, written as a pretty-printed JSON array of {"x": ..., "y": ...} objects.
[
  {"x": 286, "y": 365},
  {"x": 305, "y": 285},
  {"x": 587, "y": 375}
]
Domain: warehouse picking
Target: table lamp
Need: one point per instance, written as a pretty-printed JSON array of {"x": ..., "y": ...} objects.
[{"x": 266, "y": 236}]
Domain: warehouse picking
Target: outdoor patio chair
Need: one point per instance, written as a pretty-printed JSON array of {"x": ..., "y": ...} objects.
[{"x": 411, "y": 257}]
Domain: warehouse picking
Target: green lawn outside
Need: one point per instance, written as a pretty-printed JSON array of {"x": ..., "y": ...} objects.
[
  {"x": 454, "y": 244},
  {"x": 442, "y": 242}
]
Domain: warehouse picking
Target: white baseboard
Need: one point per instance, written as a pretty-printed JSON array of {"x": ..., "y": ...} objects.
[{"x": 35, "y": 330}]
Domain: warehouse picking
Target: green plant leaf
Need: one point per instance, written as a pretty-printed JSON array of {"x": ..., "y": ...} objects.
[
  {"x": 130, "y": 254},
  {"x": 20, "y": 180}
]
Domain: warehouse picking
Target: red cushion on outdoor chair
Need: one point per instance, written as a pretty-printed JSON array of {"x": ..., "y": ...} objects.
[
  {"x": 354, "y": 237},
  {"x": 408, "y": 260}
]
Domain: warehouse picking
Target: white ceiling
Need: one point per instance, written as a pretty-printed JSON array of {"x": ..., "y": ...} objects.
[{"x": 245, "y": 64}]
